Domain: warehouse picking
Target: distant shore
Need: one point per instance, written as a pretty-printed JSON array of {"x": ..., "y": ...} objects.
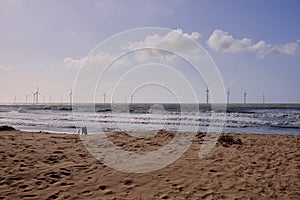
[{"x": 58, "y": 166}]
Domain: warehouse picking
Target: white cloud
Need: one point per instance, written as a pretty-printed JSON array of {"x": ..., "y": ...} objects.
[
  {"x": 224, "y": 42},
  {"x": 73, "y": 63},
  {"x": 5, "y": 68},
  {"x": 288, "y": 48},
  {"x": 100, "y": 59},
  {"x": 180, "y": 42},
  {"x": 174, "y": 41}
]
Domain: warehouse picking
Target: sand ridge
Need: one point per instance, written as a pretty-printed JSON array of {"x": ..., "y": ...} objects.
[{"x": 57, "y": 166}]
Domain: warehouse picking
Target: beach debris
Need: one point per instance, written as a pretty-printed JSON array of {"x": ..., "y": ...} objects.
[
  {"x": 7, "y": 128},
  {"x": 228, "y": 140}
]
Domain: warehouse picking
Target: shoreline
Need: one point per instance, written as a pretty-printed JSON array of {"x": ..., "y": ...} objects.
[
  {"x": 57, "y": 166},
  {"x": 112, "y": 132}
]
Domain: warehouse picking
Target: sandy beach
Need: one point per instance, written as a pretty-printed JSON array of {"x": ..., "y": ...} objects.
[{"x": 57, "y": 166}]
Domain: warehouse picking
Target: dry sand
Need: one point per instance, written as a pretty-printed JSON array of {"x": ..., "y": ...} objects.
[{"x": 57, "y": 166}]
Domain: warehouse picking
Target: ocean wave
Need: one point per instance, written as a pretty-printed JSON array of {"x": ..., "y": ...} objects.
[
  {"x": 104, "y": 110},
  {"x": 59, "y": 117},
  {"x": 289, "y": 126}
]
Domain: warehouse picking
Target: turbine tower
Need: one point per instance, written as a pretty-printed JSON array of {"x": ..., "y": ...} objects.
[
  {"x": 37, "y": 95},
  {"x": 33, "y": 97},
  {"x": 245, "y": 97},
  {"x": 131, "y": 98},
  {"x": 228, "y": 94},
  {"x": 104, "y": 96},
  {"x": 26, "y": 98},
  {"x": 207, "y": 95},
  {"x": 71, "y": 95},
  {"x": 263, "y": 98}
]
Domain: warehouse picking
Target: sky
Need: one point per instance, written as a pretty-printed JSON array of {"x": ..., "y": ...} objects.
[{"x": 254, "y": 44}]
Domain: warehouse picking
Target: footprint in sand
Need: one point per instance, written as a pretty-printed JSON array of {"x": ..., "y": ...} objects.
[
  {"x": 65, "y": 172},
  {"x": 51, "y": 160},
  {"x": 23, "y": 186},
  {"x": 29, "y": 196},
  {"x": 58, "y": 152},
  {"x": 105, "y": 190},
  {"x": 102, "y": 187},
  {"x": 85, "y": 193},
  {"x": 58, "y": 195},
  {"x": 128, "y": 182}
]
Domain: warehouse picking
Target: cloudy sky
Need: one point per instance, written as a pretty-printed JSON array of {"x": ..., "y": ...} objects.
[{"x": 255, "y": 44}]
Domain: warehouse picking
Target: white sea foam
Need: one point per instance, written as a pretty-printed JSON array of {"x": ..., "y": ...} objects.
[{"x": 59, "y": 118}]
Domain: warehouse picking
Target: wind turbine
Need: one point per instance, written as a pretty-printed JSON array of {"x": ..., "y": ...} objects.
[
  {"x": 263, "y": 98},
  {"x": 207, "y": 94},
  {"x": 26, "y": 97},
  {"x": 131, "y": 98},
  {"x": 37, "y": 94},
  {"x": 245, "y": 97},
  {"x": 104, "y": 96},
  {"x": 228, "y": 94},
  {"x": 33, "y": 97},
  {"x": 70, "y": 95}
]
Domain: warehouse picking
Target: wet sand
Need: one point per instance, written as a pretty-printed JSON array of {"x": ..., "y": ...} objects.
[{"x": 57, "y": 166}]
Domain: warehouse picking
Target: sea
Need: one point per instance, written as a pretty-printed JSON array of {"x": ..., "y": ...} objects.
[{"x": 103, "y": 118}]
